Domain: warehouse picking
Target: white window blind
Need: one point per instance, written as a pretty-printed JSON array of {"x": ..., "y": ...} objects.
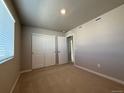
[{"x": 6, "y": 33}]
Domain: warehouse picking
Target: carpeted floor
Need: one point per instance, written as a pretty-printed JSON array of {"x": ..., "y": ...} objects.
[{"x": 64, "y": 79}]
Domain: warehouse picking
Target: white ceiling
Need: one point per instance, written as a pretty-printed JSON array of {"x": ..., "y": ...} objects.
[{"x": 46, "y": 13}]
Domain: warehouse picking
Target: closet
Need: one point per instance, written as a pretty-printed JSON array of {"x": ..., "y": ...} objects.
[{"x": 43, "y": 50}]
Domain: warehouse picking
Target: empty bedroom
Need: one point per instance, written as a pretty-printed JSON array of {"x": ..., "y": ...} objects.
[{"x": 61, "y": 46}]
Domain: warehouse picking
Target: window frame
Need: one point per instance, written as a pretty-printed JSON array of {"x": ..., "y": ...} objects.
[{"x": 10, "y": 14}]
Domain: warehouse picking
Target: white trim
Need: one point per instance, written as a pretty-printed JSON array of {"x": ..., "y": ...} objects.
[
  {"x": 41, "y": 34},
  {"x": 25, "y": 71},
  {"x": 100, "y": 74},
  {"x": 7, "y": 59},
  {"x": 68, "y": 35},
  {"x": 17, "y": 79},
  {"x": 14, "y": 85},
  {"x": 8, "y": 10}
]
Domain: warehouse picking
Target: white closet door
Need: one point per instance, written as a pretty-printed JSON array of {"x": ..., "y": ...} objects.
[
  {"x": 62, "y": 50},
  {"x": 38, "y": 51},
  {"x": 43, "y": 50},
  {"x": 50, "y": 50}
]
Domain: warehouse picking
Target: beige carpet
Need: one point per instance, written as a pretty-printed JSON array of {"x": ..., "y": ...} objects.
[{"x": 64, "y": 79}]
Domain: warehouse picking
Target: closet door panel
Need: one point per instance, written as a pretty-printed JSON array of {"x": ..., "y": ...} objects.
[
  {"x": 43, "y": 50},
  {"x": 50, "y": 50},
  {"x": 38, "y": 51},
  {"x": 62, "y": 50}
]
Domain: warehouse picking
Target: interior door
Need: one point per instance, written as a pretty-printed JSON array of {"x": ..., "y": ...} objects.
[
  {"x": 43, "y": 50},
  {"x": 49, "y": 50},
  {"x": 38, "y": 51},
  {"x": 62, "y": 50}
]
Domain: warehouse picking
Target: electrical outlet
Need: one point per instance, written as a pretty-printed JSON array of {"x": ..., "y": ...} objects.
[{"x": 99, "y": 65}]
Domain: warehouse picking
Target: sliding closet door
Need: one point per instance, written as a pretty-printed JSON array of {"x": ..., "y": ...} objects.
[
  {"x": 38, "y": 51},
  {"x": 62, "y": 50},
  {"x": 43, "y": 50},
  {"x": 50, "y": 50}
]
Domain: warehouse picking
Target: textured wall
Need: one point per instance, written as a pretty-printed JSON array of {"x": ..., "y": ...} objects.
[
  {"x": 27, "y": 44},
  {"x": 10, "y": 69},
  {"x": 102, "y": 42}
]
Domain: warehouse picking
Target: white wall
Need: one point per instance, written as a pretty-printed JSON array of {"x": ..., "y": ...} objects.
[{"x": 102, "y": 42}]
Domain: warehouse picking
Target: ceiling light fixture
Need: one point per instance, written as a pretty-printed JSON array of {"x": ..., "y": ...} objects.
[{"x": 63, "y": 11}]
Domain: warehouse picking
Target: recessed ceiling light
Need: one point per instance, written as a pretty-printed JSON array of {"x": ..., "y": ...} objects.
[{"x": 63, "y": 11}]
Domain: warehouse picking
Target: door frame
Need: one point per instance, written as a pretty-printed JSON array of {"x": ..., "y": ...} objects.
[
  {"x": 70, "y": 49},
  {"x": 74, "y": 43}
]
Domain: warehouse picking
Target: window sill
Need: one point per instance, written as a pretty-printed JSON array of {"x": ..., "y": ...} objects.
[{"x": 5, "y": 60}]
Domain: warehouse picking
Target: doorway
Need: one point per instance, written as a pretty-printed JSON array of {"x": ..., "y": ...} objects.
[{"x": 70, "y": 48}]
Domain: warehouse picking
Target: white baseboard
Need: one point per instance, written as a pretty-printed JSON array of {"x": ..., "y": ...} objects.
[
  {"x": 14, "y": 85},
  {"x": 25, "y": 71},
  {"x": 100, "y": 74}
]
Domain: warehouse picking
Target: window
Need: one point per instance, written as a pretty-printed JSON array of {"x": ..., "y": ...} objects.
[{"x": 6, "y": 33}]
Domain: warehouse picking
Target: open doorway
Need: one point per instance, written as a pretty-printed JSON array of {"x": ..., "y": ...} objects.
[{"x": 70, "y": 49}]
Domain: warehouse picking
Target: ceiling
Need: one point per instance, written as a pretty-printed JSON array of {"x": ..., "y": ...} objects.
[{"x": 46, "y": 13}]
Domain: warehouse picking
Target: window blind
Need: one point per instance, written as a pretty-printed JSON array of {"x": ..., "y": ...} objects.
[{"x": 6, "y": 33}]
